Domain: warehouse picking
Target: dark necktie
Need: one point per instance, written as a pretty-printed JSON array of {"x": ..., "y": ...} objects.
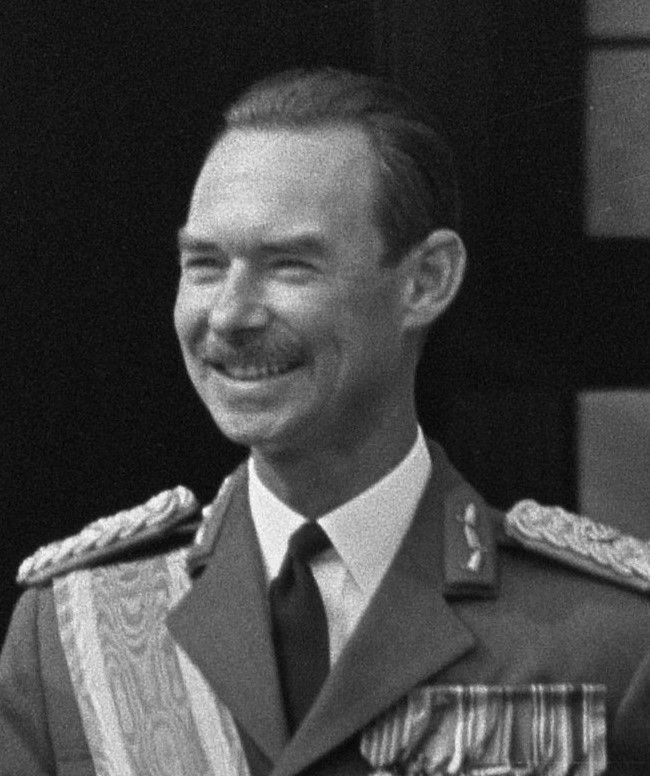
[{"x": 299, "y": 624}]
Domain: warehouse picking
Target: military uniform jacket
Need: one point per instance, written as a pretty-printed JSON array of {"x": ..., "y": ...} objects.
[{"x": 464, "y": 615}]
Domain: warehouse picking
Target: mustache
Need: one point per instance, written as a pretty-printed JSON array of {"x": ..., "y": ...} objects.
[{"x": 246, "y": 349}]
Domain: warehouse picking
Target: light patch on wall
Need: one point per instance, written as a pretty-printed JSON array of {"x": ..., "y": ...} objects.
[
  {"x": 614, "y": 458},
  {"x": 618, "y": 143},
  {"x": 618, "y": 18}
]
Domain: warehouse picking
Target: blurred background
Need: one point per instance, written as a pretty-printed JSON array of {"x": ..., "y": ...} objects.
[{"x": 537, "y": 381}]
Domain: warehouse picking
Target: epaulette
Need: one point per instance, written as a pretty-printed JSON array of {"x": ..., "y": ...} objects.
[
  {"x": 577, "y": 541},
  {"x": 110, "y": 536}
]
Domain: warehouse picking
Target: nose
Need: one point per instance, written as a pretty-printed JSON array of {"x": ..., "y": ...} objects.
[{"x": 237, "y": 304}]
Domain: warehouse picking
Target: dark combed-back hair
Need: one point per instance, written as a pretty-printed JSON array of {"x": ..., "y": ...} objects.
[{"x": 418, "y": 190}]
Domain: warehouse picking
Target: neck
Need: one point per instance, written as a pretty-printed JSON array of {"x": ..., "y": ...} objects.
[{"x": 315, "y": 481}]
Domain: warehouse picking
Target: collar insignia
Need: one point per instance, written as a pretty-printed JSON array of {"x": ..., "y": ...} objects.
[
  {"x": 469, "y": 547},
  {"x": 108, "y": 536},
  {"x": 212, "y": 520},
  {"x": 577, "y": 541},
  {"x": 474, "y": 546}
]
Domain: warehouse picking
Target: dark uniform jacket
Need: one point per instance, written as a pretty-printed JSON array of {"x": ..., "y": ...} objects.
[{"x": 444, "y": 619}]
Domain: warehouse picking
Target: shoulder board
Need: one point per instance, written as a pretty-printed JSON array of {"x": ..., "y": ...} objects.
[
  {"x": 110, "y": 536},
  {"x": 577, "y": 541}
]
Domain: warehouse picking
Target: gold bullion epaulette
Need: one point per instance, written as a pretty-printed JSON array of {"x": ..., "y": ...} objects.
[
  {"x": 110, "y": 536},
  {"x": 577, "y": 541}
]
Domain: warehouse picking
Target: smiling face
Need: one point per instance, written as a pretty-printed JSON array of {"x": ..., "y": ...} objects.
[{"x": 290, "y": 325}]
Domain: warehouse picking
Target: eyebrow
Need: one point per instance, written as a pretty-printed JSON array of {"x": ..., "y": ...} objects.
[
  {"x": 301, "y": 243},
  {"x": 306, "y": 243},
  {"x": 186, "y": 242}
]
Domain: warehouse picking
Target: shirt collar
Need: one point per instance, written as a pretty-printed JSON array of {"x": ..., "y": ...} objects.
[{"x": 365, "y": 532}]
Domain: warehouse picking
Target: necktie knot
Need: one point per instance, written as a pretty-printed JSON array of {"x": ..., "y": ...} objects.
[{"x": 308, "y": 541}]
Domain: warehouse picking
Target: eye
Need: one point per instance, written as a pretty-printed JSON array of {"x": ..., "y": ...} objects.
[
  {"x": 292, "y": 267},
  {"x": 290, "y": 262},
  {"x": 203, "y": 265}
]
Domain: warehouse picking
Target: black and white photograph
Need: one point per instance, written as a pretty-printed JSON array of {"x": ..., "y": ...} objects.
[{"x": 325, "y": 389}]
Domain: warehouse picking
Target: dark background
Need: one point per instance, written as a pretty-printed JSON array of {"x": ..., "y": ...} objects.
[{"x": 107, "y": 109}]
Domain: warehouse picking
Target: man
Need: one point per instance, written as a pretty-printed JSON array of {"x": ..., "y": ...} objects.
[{"x": 425, "y": 633}]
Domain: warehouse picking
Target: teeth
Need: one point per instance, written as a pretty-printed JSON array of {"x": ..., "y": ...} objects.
[{"x": 254, "y": 372}]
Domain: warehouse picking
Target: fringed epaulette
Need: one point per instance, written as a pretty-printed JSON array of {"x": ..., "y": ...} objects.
[
  {"x": 577, "y": 541},
  {"x": 109, "y": 537}
]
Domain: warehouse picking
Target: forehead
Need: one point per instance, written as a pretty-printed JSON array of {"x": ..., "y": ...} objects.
[{"x": 276, "y": 174}]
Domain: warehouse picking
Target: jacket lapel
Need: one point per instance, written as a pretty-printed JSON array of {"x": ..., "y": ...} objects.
[
  {"x": 223, "y": 625},
  {"x": 408, "y": 635}
]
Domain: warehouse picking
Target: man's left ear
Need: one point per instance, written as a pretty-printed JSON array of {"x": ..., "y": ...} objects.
[{"x": 435, "y": 270}]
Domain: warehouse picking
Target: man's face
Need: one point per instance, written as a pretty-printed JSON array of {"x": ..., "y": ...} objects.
[{"x": 289, "y": 323}]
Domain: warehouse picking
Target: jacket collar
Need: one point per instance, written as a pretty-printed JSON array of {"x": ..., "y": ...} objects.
[
  {"x": 223, "y": 624},
  {"x": 408, "y": 634}
]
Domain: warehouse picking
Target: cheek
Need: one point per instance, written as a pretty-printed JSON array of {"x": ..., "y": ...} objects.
[{"x": 189, "y": 318}]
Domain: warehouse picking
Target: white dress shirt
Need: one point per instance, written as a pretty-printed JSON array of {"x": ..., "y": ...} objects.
[{"x": 365, "y": 533}]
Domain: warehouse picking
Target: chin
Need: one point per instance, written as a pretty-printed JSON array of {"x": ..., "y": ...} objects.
[
  {"x": 272, "y": 440},
  {"x": 249, "y": 431},
  {"x": 266, "y": 425}
]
